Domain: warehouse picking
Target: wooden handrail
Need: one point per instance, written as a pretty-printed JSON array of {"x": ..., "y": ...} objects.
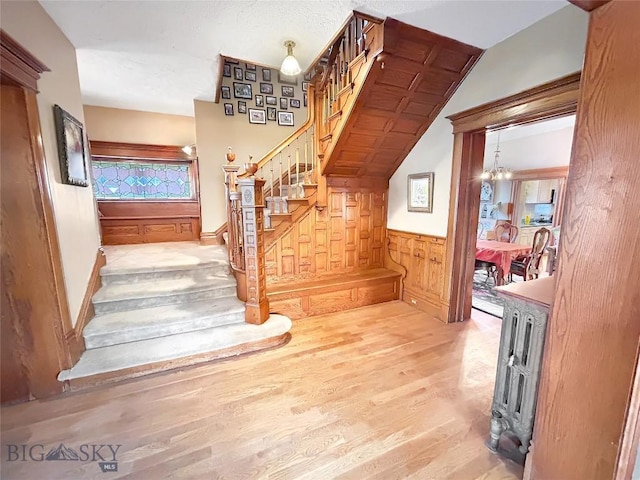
[
  {"x": 340, "y": 33},
  {"x": 289, "y": 140},
  {"x": 332, "y": 58}
]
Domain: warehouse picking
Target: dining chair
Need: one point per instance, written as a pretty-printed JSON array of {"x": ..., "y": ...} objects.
[
  {"x": 528, "y": 266},
  {"x": 506, "y": 232}
]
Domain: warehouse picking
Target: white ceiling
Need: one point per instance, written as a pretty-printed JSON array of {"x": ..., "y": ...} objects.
[{"x": 160, "y": 55}]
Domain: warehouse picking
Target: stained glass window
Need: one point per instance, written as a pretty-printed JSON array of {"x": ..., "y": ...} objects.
[{"x": 134, "y": 180}]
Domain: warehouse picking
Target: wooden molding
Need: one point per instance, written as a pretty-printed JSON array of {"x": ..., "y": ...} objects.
[
  {"x": 213, "y": 238},
  {"x": 138, "y": 150},
  {"x": 76, "y": 340},
  {"x": 216, "y": 95},
  {"x": 540, "y": 173},
  {"x": 19, "y": 66},
  {"x": 589, "y": 5},
  {"x": 550, "y": 100}
]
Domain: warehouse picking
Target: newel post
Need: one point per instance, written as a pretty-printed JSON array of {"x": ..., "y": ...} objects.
[{"x": 257, "y": 306}]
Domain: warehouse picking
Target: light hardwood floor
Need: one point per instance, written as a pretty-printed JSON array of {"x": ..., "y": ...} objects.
[{"x": 380, "y": 392}]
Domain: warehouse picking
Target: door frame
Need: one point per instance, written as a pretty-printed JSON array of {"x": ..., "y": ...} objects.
[{"x": 554, "y": 99}]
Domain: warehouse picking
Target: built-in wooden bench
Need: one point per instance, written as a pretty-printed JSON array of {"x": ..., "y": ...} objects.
[{"x": 332, "y": 293}]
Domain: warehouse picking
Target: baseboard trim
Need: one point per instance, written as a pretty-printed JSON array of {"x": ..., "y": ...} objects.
[
  {"x": 213, "y": 238},
  {"x": 76, "y": 341},
  {"x": 184, "y": 362}
]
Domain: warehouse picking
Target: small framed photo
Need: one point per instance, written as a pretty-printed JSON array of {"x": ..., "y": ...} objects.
[
  {"x": 271, "y": 100},
  {"x": 266, "y": 75},
  {"x": 242, "y": 90},
  {"x": 237, "y": 73},
  {"x": 250, "y": 76},
  {"x": 305, "y": 86},
  {"x": 287, "y": 79},
  {"x": 257, "y": 115},
  {"x": 271, "y": 114},
  {"x": 294, "y": 103},
  {"x": 226, "y": 91},
  {"x": 242, "y": 106},
  {"x": 231, "y": 60},
  {"x": 250, "y": 66},
  {"x": 307, "y": 76},
  {"x": 304, "y": 99},
  {"x": 226, "y": 70},
  {"x": 228, "y": 108},
  {"x": 285, "y": 118},
  {"x": 284, "y": 104},
  {"x": 259, "y": 101},
  {"x": 420, "y": 192},
  {"x": 288, "y": 91},
  {"x": 72, "y": 153},
  {"x": 266, "y": 88}
]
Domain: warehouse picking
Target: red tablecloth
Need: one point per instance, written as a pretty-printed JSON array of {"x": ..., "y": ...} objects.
[{"x": 500, "y": 253}]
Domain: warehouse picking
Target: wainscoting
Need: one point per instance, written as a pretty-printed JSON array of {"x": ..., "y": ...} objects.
[
  {"x": 423, "y": 258},
  {"x": 129, "y": 222},
  {"x": 345, "y": 236}
]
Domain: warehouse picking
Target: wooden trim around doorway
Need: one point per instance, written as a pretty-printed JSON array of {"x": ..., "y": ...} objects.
[{"x": 551, "y": 100}]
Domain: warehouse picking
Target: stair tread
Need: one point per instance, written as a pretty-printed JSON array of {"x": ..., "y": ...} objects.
[
  {"x": 144, "y": 352},
  {"x": 161, "y": 316},
  {"x": 161, "y": 288}
]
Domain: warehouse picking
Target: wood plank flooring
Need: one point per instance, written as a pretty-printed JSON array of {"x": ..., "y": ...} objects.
[{"x": 380, "y": 392}]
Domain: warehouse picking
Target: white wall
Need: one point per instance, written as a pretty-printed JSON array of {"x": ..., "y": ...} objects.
[
  {"x": 73, "y": 207},
  {"x": 549, "y": 49}
]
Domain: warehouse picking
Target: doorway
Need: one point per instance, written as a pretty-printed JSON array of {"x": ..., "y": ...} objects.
[{"x": 552, "y": 100}]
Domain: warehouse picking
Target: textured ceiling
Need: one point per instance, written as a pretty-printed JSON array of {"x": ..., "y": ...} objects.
[{"x": 160, "y": 55}]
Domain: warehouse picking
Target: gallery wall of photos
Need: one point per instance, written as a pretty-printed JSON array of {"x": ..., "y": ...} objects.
[{"x": 262, "y": 94}]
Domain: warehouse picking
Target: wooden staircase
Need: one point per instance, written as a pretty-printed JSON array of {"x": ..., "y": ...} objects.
[{"x": 375, "y": 89}]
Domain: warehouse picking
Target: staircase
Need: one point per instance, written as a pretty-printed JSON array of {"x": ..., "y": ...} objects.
[{"x": 164, "y": 306}]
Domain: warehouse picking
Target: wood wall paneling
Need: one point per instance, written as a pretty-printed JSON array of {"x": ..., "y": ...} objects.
[
  {"x": 347, "y": 235},
  {"x": 590, "y": 351},
  {"x": 423, "y": 258},
  {"x": 35, "y": 315},
  {"x": 403, "y": 92}
]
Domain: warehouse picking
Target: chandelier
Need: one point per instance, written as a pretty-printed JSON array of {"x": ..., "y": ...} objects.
[{"x": 496, "y": 172}]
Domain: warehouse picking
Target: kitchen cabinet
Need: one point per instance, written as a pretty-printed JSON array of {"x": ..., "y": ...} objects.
[
  {"x": 539, "y": 191},
  {"x": 525, "y": 235}
]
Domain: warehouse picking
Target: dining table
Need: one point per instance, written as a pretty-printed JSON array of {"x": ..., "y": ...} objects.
[{"x": 500, "y": 254}]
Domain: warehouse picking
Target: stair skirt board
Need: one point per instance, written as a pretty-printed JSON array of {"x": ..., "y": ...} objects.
[{"x": 134, "y": 359}]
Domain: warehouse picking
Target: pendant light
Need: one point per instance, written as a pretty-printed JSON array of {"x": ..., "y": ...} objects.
[
  {"x": 290, "y": 65},
  {"x": 496, "y": 172}
]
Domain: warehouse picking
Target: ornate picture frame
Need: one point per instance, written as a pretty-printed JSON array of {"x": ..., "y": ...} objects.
[
  {"x": 72, "y": 151},
  {"x": 420, "y": 192}
]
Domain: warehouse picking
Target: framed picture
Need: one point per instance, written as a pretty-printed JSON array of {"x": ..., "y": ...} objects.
[
  {"x": 304, "y": 99},
  {"x": 242, "y": 106},
  {"x": 486, "y": 192},
  {"x": 420, "y": 192},
  {"x": 285, "y": 118},
  {"x": 259, "y": 101},
  {"x": 250, "y": 66},
  {"x": 266, "y": 75},
  {"x": 71, "y": 148},
  {"x": 231, "y": 60},
  {"x": 288, "y": 91},
  {"x": 266, "y": 88},
  {"x": 242, "y": 90},
  {"x": 284, "y": 104},
  {"x": 226, "y": 92},
  {"x": 271, "y": 114},
  {"x": 250, "y": 76},
  {"x": 228, "y": 108},
  {"x": 257, "y": 116},
  {"x": 305, "y": 86},
  {"x": 307, "y": 76},
  {"x": 226, "y": 70},
  {"x": 287, "y": 79},
  {"x": 294, "y": 103},
  {"x": 271, "y": 100},
  {"x": 237, "y": 73}
]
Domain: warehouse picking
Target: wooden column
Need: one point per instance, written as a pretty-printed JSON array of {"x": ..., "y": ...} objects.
[
  {"x": 257, "y": 306},
  {"x": 592, "y": 339},
  {"x": 230, "y": 172}
]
